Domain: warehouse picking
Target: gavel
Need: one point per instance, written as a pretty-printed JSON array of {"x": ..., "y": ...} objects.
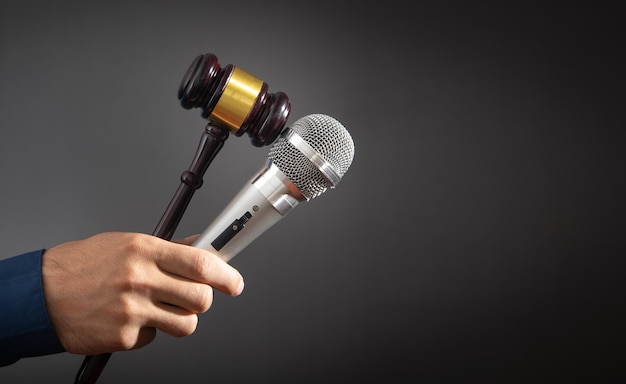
[{"x": 232, "y": 100}]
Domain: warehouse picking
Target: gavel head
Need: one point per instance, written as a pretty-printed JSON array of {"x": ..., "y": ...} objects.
[{"x": 233, "y": 99}]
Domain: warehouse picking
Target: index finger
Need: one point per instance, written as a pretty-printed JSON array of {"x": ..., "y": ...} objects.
[{"x": 199, "y": 265}]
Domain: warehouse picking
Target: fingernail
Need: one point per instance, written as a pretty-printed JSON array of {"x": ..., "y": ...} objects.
[{"x": 240, "y": 287}]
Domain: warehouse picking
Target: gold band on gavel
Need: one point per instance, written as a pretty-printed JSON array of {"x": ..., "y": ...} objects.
[{"x": 237, "y": 100}]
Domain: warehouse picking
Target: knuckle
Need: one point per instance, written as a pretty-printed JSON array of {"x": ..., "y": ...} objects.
[
  {"x": 186, "y": 326},
  {"x": 135, "y": 244},
  {"x": 201, "y": 264},
  {"x": 201, "y": 297},
  {"x": 133, "y": 279},
  {"x": 126, "y": 324},
  {"x": 125, "y": 339},
  {"x": 127, "y": 312}
]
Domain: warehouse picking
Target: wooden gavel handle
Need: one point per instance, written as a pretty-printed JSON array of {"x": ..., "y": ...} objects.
[{"x": 211, "y": 143}]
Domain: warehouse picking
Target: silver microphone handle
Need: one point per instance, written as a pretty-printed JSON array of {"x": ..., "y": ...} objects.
[{"x": 260, "y": 204}]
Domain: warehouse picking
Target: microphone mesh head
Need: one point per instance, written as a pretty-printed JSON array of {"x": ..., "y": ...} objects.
[{"x": 329, "y": 138}]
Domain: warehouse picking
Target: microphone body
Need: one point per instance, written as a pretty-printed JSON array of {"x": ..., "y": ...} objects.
[
  {"x": 260, "y": 204},
  {"x": 304, "y": 162}
]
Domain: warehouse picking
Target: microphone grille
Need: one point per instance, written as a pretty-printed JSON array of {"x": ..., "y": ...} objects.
[{"x": 329, "y": 138}]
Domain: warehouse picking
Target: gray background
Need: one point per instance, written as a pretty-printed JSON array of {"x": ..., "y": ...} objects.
[{"x": 477, "y": 237}]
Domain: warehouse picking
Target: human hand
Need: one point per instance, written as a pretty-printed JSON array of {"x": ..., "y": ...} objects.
[{"x": 112, "y": 291}]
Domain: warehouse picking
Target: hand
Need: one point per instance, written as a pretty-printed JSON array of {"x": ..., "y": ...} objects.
[{"x": 112, "y": 291}]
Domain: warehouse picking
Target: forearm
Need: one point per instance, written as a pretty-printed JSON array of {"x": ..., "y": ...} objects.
[{"x": 25, "y": 328}]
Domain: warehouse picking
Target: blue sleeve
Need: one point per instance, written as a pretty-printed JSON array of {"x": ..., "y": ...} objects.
[{"x": 25, "y": 329}]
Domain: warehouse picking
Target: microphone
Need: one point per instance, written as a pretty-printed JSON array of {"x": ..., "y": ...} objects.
[{"x": 306, "y": 160}]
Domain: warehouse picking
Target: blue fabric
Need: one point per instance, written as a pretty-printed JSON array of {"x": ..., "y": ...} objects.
[{"x": 25, "y": 329}]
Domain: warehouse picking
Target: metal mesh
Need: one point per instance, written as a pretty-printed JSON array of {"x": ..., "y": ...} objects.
[{"x": 329, "y": 138}]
